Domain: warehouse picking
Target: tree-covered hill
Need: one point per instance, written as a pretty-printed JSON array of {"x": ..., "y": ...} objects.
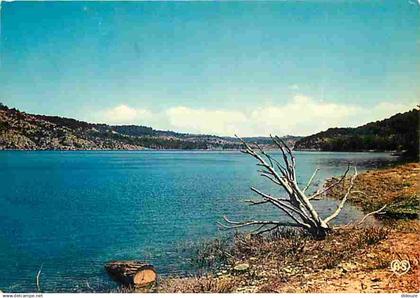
[
  {"x": 20, "y": 130},
  {"x": 397, "y": 133}
]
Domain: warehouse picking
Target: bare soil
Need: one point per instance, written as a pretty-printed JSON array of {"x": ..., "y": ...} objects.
[{"x": 351, "y": 259}]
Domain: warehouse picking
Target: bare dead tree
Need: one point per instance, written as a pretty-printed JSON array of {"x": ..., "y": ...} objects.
[{"x": 297, "y": 204}]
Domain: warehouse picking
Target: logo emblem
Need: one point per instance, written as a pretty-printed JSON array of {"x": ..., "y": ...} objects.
[{"x": 400, "y": 267}]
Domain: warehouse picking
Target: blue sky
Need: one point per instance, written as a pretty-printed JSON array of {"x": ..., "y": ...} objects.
[{"x": 253, "y": 68}]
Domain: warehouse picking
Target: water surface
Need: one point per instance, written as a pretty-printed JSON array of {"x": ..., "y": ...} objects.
[{"x": 72, "y": 211}]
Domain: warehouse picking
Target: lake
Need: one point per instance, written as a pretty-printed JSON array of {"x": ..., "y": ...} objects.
[{"x": 71, "y": 212}]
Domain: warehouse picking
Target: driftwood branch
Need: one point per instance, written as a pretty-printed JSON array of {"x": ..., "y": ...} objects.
[
  {"x": 88, "y": 286},
  {"x": 372, "y": 213},
  {"x": 352, "y": 224},
  {"x": 332, "y": 185},
  {"x": 241, "y": 224},
  {"x": 310, "y": 180},
  {"x": 38, "y": 283},
  {"x": 296, "y": 205},
  {"x": 343, "y": 200}
]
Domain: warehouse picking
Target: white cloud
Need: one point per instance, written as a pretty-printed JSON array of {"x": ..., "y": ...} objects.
[
  {"x": 205, "y": 121},
  {"x": 385, "y": 109},
  {"x": 302, "y": 115},
  {"x": 123, "y": 114}
]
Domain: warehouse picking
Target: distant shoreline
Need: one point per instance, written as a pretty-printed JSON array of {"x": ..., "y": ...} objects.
[
  {"x": 395, "y": 153},
  {"x": 29, "y": 132}
]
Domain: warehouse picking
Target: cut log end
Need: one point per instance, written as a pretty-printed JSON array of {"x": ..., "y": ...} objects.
[
  {"x": 132, "y": 273},
  {"x": 145, "y": 277}
]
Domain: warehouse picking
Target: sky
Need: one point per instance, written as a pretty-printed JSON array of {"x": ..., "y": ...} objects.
[{"x": 225, "y": 68}]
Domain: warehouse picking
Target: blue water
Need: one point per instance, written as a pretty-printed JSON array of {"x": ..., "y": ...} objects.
[{"x": 73, "y": 211}]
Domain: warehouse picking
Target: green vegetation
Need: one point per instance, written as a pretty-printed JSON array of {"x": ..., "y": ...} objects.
[
  {"x": 397, "y": 133},
  {"x": 404, "y": 207}
]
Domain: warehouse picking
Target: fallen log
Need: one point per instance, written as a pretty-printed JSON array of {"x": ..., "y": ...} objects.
[{"x": 132, "y": 273}]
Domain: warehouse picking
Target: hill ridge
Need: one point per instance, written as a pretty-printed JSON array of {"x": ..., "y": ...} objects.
[
  {"x": 399, "y": 132},
  {"x": 25, "y": 131}
]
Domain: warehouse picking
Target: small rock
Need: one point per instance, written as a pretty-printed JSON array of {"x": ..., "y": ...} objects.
[
  {"x": 287, "y": 270},
  {"x": 348, "y": 267},
  {"x": 241, "y": 267}
]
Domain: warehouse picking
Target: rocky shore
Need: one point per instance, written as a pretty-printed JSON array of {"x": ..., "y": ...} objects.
[{"x": 355, "y": 258}]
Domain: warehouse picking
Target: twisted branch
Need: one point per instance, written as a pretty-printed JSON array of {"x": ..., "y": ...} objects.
[
  {"x": 332, "y": 185},
  {"x": 310, "y": 180},
  {"x": 344, "y": 199},
  {"x": 296, "y": 205}
]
